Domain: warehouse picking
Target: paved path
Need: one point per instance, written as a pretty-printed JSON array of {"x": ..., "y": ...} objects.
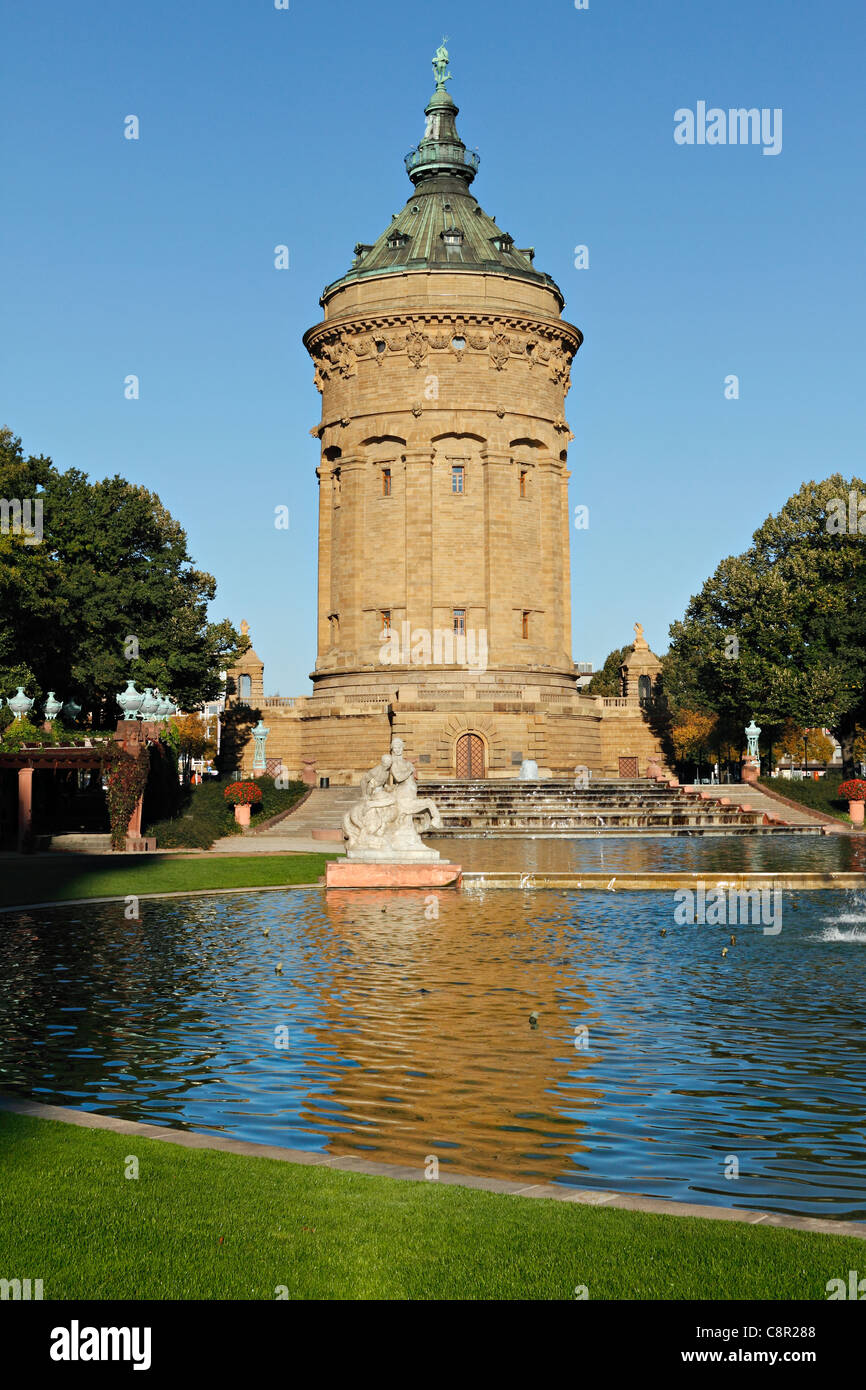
[
  {"x": 756, "y": 798},
  {"x": 323, "y": 809}
]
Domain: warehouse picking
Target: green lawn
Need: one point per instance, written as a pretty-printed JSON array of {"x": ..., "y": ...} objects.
[
  {"x": 63, "y": 878},
  {"x": 198, "y": 1224},
  {"x": 820, "y": 795}
]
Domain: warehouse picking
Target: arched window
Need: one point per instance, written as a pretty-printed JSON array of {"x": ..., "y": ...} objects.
[
  {"x": 644, "y": 690},
  {"x": 245, "y": 687}
]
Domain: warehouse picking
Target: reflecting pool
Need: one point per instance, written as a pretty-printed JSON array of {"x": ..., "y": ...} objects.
[
  {"x": 408, "y": 1034},
  {"x": 640, "y": 853}
]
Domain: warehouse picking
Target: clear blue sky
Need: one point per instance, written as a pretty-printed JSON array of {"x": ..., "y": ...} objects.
[{"x": 261, "y": 127}]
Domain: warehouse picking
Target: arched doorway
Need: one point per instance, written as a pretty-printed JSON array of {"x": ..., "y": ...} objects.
[{"x": 470, "y": 756}]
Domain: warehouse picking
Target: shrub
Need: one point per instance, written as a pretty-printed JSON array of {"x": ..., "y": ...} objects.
[{"x": 204, "y": 815}]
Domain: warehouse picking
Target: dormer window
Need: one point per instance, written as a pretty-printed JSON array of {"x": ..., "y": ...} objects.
[
  {"x": 452, "y": 236},
  {"x": 502, "y": 242},
  {"x": 396, "y": 240},
  {"x": 361, "y": 250}
]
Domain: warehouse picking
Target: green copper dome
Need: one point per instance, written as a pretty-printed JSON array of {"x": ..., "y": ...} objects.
[{"x": 442, "y": 226}]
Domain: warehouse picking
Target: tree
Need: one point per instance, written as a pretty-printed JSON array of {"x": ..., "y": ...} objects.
[
  {"x": 608, "y": 681},
  {"x": 790, "y": 743},
  {"x": 193, "y": 741},
  {"x": 692, "y": 734},
  {"x": 109, "y": 594},
  {"x": 779, "y": 632}
]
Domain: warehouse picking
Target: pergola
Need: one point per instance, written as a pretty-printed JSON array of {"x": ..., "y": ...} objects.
[{"x": 52, "y": 759}]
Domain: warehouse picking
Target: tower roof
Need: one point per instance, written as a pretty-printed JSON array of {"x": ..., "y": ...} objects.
[{"x": 442, "y": 226}]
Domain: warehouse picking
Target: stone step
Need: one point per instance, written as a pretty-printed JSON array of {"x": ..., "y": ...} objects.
[{"x": 79, "y": 842}]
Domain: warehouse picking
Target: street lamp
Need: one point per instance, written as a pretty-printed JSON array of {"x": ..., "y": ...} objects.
[{"x": 806, "y": 756}]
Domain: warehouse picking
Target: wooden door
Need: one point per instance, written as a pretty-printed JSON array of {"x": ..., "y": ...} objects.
[
  {"x": 628, "y": 767},
  {"x": 470, "y": 756}
]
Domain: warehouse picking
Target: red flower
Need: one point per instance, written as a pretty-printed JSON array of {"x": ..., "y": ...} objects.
[
  {"x": 853, "y": 790},
  {"x": 243, "y": 793}
]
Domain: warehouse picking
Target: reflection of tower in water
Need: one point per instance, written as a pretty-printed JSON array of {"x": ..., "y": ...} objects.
[{"x": 434, "y": 1031}]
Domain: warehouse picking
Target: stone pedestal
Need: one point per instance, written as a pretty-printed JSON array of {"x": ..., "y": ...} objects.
[
  {"x": 352, "y": 873},
  {"x": 394, "y": 855},
  {"x": 750, "y": 770}
]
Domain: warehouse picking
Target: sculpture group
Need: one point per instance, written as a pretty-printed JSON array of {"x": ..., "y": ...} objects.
[{"x": 384, "y": 824}]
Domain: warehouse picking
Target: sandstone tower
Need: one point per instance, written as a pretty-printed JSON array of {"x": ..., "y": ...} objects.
[
  {"x": 444, "y": 612},
  {"x": 443, "y": 362}
]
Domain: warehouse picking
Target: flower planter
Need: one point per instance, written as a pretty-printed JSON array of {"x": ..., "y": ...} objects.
[
  {"x": 242, "y": 814},
  {"x": 854, "y": 792}
]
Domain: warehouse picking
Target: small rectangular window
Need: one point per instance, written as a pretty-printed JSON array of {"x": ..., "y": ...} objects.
[
  {"x": 385, "y": 621},
  {"x": 523, "y": 482},
  {"x": 386, "y": 482},
  {"x": 526, "y": 612},
  {"x": 459, "y": 622},
  {"x": 457, "y": 477}
]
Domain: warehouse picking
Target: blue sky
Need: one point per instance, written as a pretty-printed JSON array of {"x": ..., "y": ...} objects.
[{"x": 262, "y": 126}]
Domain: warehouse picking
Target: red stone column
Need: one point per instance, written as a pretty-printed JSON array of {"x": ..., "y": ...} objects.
[
  {"x": 133, "y": 830},
  {"x": 25, "y": 805}
]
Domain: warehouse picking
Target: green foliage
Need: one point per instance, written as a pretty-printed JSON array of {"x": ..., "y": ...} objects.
[
  {"x": 795, "y": 603},
  {"x": 204, "y": 815},
  {"x": 608, "y": 681},
  {"x": 127, "y": 777},
  {"x": 112, "y": 564},
  {"x": 14, "y": 733}
]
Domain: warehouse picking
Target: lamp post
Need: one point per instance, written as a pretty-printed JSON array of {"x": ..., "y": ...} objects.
[
  {"x": 805, "y": 756},
  {"x": 260, "y": 735}
]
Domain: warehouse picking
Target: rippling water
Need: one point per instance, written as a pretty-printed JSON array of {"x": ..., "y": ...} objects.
[{"x": 409, "y": 1036}]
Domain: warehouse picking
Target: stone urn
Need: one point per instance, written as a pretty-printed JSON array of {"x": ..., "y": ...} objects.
[
  {"x": 130, "y": 700},
  {"x": 242, "y": 814},
  {"x": 53, "y": 706},
  {"x": 149, "y": 704},
  {"x": 19, "y": 704},
  {"x": 855, "y": 811}
]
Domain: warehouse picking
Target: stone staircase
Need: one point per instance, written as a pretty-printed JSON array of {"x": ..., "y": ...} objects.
[
  {"x": 323, "y": 809},
  {"x": 611, "y": 807}
]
